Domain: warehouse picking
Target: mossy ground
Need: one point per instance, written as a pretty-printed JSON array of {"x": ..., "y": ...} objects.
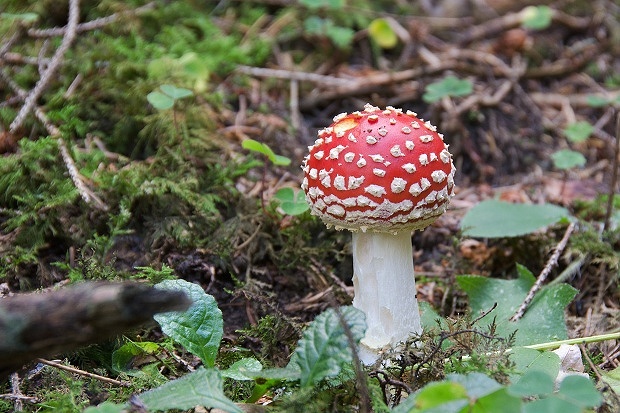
[{"x": 181, "y": 198}]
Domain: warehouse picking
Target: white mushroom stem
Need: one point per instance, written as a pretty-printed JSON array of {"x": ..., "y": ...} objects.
[{"x": 384, "y": 286}]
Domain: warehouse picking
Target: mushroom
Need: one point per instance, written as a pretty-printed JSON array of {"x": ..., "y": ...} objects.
[{"x": 380, "y": 174}]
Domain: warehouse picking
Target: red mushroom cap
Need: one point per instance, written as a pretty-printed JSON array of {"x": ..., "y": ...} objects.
[{"x": 379, "y": 170}]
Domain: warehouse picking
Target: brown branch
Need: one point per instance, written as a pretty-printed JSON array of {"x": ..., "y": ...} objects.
[
  {"x": 44, "y": 324},
  {"x": 82, "y": 373},
  {"x": 54, "y": 64},
  {"x": 93, "y": 24},
  {"x": 551, "y": 263}
]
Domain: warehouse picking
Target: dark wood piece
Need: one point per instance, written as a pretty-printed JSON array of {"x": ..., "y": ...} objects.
[{"x": 45, "y": 324}]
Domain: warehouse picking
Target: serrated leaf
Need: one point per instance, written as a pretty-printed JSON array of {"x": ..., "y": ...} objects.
[
  {"x": 579, "y": 131},
  {"x": 567, "y": 159},
  {"x": 536, "y": 17},
  {"x": 448, "y": 86},
  {"x": 382, "y": 33},
  {"x": 324, "y": 347},
  {"x": 544, "y": 319},
  {"x": 200, "y": 388},
  {"x": 291, "y": 202},
  {"x": 160, "y": 101},
  {"x": 200, "y": 328},
  {"x": 176, "y": 92},
  {"x": 494, "y": 219},
  {"x": 244, "y": 369}
]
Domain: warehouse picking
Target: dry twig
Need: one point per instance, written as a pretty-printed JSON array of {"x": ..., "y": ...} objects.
[
  {"x": 69, "y": 35},
  {"x": 551, "y": 263}
]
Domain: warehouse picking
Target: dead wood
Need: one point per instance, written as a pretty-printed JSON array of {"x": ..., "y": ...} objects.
[{"x": 45, "y": 324}]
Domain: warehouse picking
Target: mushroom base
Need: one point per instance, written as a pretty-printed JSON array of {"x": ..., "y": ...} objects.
[{"x": 384, "y": 285}]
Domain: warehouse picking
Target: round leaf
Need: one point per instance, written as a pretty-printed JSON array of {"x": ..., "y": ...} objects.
[
  {"x": 448, "y": 86},
  {"x": 176, "y": 92},
  {"x": 292, "y": 203},
  {"x": 579, "y": 131},
  {"x": 567, "y": 159},
  {"x": 536, "y": 17},
  {"x": 495, "y": 219},
  {"x": 159, "y": 100},
  {"x": 382, "y": 33}
]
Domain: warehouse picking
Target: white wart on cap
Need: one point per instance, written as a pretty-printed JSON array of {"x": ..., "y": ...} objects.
[{"x": 378, "y": 170}]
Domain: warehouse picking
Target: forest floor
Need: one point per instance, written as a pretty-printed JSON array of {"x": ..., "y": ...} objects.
[{"x": 107, "y": 172}]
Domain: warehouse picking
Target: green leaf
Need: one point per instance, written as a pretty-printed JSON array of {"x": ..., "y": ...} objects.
[
  {"x": 324, "y": 347},
  {"x": 320, "y": 4},
  {"x": 533, "y": 383},
  {"x": 107, "y": 407},
  {"x": 527, "y": 359},
  {"x": 476, "y": 384},
  {"x": 579, "y": 131},
  {"x": 612, "y": 378},
  {"x": 200, "y": 328},
  {"x": 200, "y": 388},
  {"x": 498, "y": 401},
  {"x": 342, "y": 37},
  {"x": 382, "y": 33},
  {"x": 580, "y": 391},
  {"x": 544, "y": 319},
  {"x": 551, "y": 405},
  {"x": 597, "y": 101},
  {"x": 444, "y": 397},
  {"x": 495, "y": 219},
  {"x": 448, "y": 86},
  {"x": 160, "y": 101},
  {"x": 536, "y": 17},
  {"x": 291, "y": 202},
  {"x": 244, "y": 369},
  {"x": 263, "y": 148},
  {"x": 23, "y": 17},
  {"x": 280, "y": 160},
  {"x": 567, "y": 159},
  {"x": 176, "y": 92},
  {"x": 126, "y": 354}
]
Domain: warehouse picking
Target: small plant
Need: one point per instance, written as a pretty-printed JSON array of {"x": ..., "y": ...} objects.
[
  {"x": 382, "y": 33},
  {"x": 566, "y": 159},
  {"x": 450, "y": 86},
  {"x": 167, "y": 96},
  {"x": 536, "y": 17},
  {"x": 292, "y": 202}
]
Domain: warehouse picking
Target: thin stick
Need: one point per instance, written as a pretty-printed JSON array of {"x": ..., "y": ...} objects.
[
  {"x": 54, "y": 64},
  {"x": 18, "y": 404},
  {"x": 552, "y": 262},
  {"x": 614, "y": 177},
  {"x": 83, "y": 373},
  {"x": 93, "y": 24}
]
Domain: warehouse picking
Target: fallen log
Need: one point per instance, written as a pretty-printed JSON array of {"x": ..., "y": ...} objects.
[{"x": 47, "y": 323}]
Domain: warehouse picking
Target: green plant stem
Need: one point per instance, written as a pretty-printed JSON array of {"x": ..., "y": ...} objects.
[
  {"x": 555, "y": 344},
  {"x": 579, "y": 340}
]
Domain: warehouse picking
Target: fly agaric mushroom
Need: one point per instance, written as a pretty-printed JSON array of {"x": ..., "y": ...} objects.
[{"x": 380, "y": 174}]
